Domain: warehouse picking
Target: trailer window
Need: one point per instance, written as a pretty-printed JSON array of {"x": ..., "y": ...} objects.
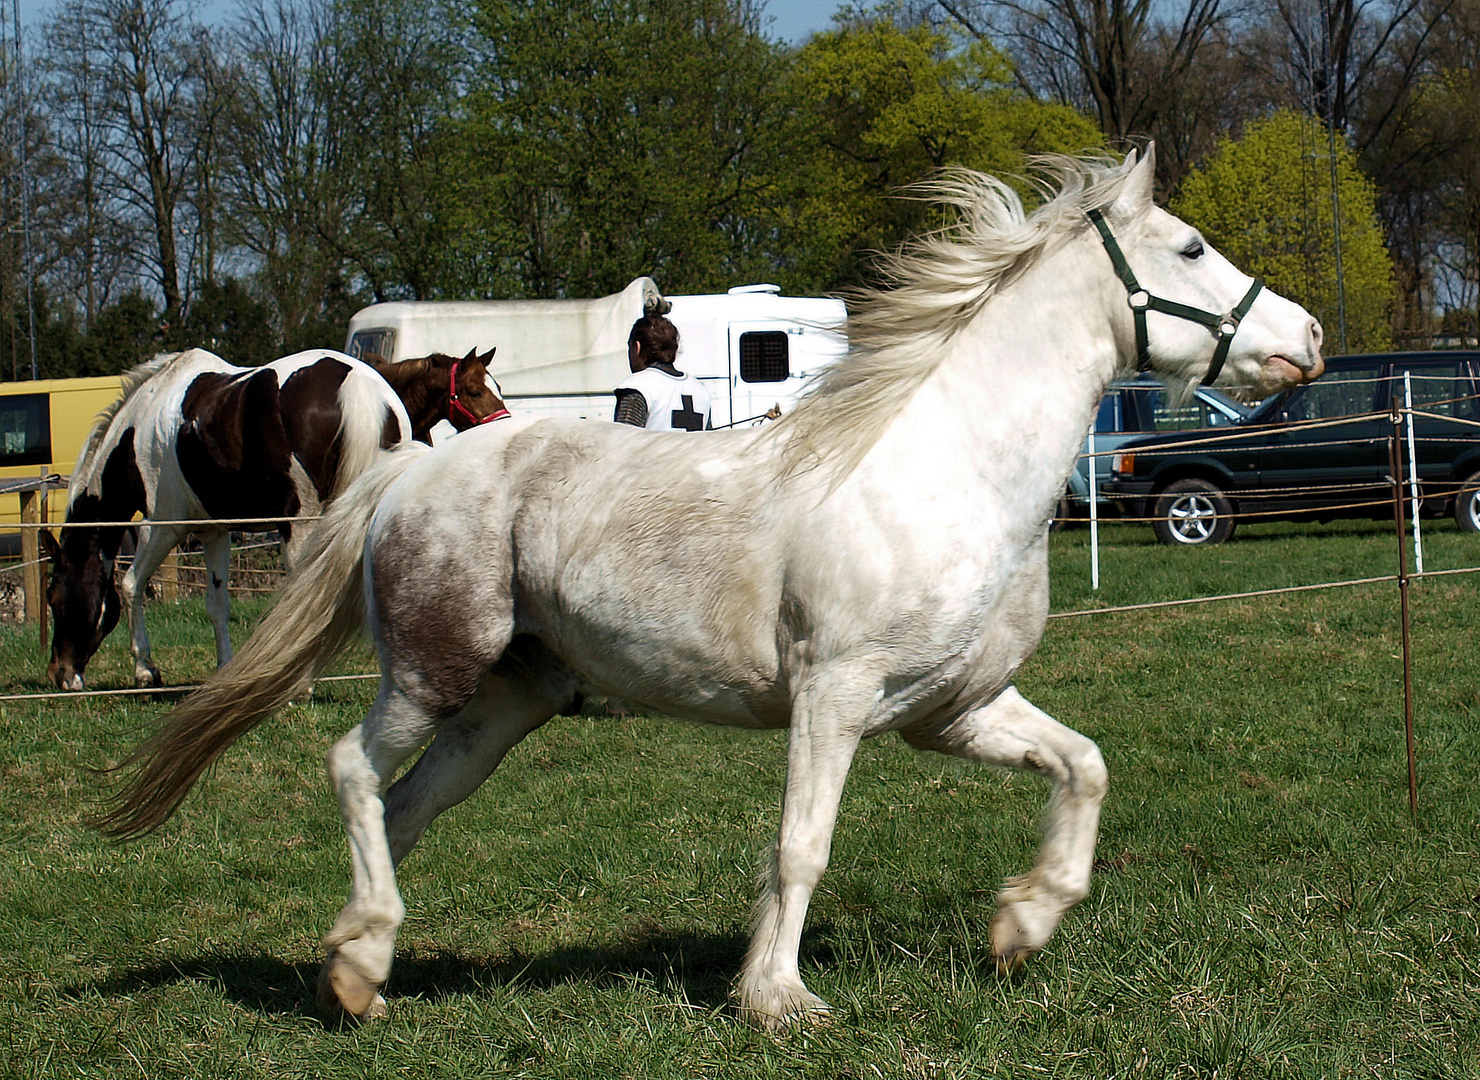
[
  {"x": 381, "y": 342},
  {"x": 25, "y": 429},
  {"x": 765, "y": 356}
]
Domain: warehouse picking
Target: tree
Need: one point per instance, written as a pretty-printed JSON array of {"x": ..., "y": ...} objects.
[
  {"x": 618, "y": 138},
  {"x": 136, "y": 70},
  {"x": 1265, "y": 201},
  {"x": 888, "y": 106},
  {"x": 390, "y": 75},
  {"x": 1129, "y": 63},
  {"x": 283, "y": 176}
]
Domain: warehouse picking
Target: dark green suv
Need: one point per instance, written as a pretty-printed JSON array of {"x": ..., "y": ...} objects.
[{"x": 1337, "y": 465}]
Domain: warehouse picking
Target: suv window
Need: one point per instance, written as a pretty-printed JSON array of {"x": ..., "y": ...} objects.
[
  {"x": 1445, "y": 389},
  {"x": 1348, "y": 392}
]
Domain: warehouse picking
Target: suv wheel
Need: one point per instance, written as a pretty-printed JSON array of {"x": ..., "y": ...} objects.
[
  {"x": 1467, "y": 504},
  {"x": 1193, "y": 512}
]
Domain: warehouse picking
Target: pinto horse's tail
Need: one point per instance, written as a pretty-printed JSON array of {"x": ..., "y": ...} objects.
[
  {"x": 370, "y": 410},
  {"x": 320, "y": 608}
]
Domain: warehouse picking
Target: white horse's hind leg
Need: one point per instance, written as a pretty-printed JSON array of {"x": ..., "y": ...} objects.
[
  {"x": 1013, "y": 733},
  {"x": 218, "y": 594},
  {"x": 465, "y": 752},
  {"x": 363, "y": 939},
  {"x": 825, "y": 731}
]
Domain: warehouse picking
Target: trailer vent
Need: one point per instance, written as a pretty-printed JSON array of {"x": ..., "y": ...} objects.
[{"x": 764, "y": 356}]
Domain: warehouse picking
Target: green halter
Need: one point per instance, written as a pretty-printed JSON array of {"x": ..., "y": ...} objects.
[{"x": 1223, "y": 326}]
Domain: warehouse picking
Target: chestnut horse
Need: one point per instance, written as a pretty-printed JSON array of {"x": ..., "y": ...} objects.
[
  {"x": 440, "y": 388},
  {"x": 876, "y": 561}
]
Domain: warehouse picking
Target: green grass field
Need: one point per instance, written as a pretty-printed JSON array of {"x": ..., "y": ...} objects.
[{"x": 1264, "y": 905}]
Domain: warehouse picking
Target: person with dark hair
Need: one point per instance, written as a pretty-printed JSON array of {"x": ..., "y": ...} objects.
[{"x": 658, "y": 395}]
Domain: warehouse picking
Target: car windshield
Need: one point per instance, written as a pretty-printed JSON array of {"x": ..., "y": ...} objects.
[
  {"x": 1233, "y": 406},
  {"x": 1268, "y": 410}
]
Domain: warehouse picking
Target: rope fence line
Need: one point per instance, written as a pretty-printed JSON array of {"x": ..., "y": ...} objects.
[
  {"x": 75, "y": 695},
  {"x": 191, "y": 523},
  {"x": 1395, "y": 416},
  {"x": 1191, "y": 601}
]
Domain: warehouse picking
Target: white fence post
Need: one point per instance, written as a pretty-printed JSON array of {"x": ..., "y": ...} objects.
[{"x": 1413, "y": 473}]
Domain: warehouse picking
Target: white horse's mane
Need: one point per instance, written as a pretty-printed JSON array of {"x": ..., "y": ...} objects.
[
  {"x": 933, "y": 287},
  {"x": 132, "y": 380}
]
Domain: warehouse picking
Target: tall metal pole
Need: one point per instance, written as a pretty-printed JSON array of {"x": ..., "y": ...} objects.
[
  {"x": 25, "y": 171},
  {"x": 1330, "y": 58},
  {"x": 1393, "y": 462}
]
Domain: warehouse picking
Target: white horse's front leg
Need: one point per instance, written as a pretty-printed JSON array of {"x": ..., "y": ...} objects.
[
  {"x": 218, "y": 593},
  {"x": 825, "y": 730},
  {"x": 1013, "y": 733},
  {"x": 154, "y": 544}
]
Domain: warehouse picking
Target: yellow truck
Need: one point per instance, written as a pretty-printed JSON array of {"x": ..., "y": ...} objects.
[{"x": 43, "y": 425}]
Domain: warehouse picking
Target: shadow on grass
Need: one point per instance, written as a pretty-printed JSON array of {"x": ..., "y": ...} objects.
[{"x": 702, "y": 967}]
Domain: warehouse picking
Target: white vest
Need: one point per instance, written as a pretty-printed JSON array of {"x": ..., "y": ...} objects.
[{"x": 673, "y": 404}]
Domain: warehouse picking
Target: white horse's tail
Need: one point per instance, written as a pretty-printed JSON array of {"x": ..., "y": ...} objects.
[
  {"x": 320, "y": 608},
  {"x": 366, "y": 403}
]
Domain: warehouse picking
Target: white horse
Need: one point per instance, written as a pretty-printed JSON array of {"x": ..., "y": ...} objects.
[{"x": 875, "y": 562}]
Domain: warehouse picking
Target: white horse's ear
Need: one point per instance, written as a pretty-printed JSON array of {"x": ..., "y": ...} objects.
[{"x": 1138, "y": 193}]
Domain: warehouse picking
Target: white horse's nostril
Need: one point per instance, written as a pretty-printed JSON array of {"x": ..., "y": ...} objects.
[{"x": 1315, "y": 338}]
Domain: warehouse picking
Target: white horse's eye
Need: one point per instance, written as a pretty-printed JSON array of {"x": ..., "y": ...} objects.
[{"x": 1193, "y": 250}]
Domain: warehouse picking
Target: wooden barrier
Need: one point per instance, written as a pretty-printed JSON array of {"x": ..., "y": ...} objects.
[{"x": 33, "y": 496}]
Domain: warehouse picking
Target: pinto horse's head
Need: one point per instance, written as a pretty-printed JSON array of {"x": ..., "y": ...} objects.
[
  {"x": 474, "y": 397},
  {"x": 84, "y": 605}
]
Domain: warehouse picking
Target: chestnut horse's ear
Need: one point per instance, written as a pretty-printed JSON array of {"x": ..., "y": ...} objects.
[
  {"x": 49, "y": 545},
  {"x": 472, "y": 356},
  {"x": 487, "y": 357}
]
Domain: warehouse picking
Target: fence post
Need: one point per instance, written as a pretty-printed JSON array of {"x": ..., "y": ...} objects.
[
  {"x": 169, "y": 576},
  {"x": 31, "y": 556},
  {"x": 44, "y": 514},
  {"x": 1396, "y": 414}
]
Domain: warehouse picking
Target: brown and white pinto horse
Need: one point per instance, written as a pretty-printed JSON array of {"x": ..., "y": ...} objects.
[
  {"x": 440, "y": 387},
  {"x": 193, "y": 438}
]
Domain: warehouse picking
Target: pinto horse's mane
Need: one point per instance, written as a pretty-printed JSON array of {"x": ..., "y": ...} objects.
[
  {"x": 932, "y": 288},
  {"x": 132, "y": 380}
]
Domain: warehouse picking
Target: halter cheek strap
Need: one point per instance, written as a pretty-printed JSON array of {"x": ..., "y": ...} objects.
[
  {"x": 455, "y": 407},
  {"x": 1223, "y": 326}
]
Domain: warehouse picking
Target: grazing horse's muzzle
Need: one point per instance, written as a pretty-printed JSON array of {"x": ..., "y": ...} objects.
[{"x": 63, "y": 675}]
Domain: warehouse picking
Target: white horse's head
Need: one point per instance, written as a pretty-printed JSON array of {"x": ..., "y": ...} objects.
[{"x": 1271, "y": 343}]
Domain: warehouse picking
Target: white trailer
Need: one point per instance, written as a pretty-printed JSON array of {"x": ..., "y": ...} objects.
[{"x": 754, "y": 349}]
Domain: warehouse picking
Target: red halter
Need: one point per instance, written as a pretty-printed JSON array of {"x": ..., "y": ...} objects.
[{"x": 455, "y": 406}]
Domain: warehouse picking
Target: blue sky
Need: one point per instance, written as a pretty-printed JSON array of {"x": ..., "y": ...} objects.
[
  {"x": 796, "y": 19},
  {"x": 791, "y": 20}
]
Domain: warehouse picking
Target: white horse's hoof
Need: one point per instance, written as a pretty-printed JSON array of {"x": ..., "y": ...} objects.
[
  {"x": 779, "y": 1007},
  {"x": 147, "y": 676},
  {"x": 346, "y": 996}
]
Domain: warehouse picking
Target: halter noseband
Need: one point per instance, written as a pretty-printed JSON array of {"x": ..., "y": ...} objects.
[
  {"x": 1223, "y": 326},
  {"x": 455, "y": 405}
]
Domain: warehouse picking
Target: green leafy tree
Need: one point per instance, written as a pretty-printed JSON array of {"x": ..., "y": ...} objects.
[
  {"x": 1264, "y": 200},
  {"x": 610, "y": 139},
  {"x": 885, "y": 106}
]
